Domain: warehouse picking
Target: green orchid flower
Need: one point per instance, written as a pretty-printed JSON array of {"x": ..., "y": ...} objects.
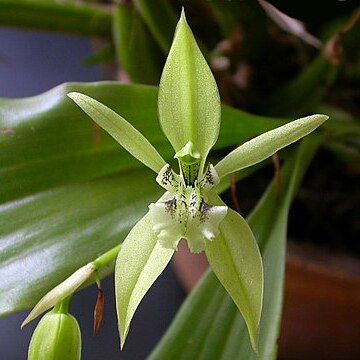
[{"x": 190, "y": 209}]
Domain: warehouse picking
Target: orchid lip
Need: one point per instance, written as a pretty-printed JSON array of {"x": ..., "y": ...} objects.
[{"x": 186, "y": 215}]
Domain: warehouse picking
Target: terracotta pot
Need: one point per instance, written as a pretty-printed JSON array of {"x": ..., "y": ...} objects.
[{"x": 321, "y": 318}]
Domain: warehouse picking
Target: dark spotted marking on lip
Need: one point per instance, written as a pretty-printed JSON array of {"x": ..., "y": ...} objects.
[
  {"x": 192, "y": 200},
  {"x": 171, "y": 206},
  {"x": 204, "y": 211},
  {"x": 186, "y": 214},
  {"x": 183, "y": 201}
]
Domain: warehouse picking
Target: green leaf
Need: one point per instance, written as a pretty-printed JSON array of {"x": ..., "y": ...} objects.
[
  {"x": 134, "y": 44},
  {"x": 196, "y": 332},
  {"x": 160, "y": 19},
  {"x": 305, "y": 91},
  {"x": 46, "y": 141},
  {"x": 189, "y": 103},
  {"x": 230, "y": 13},
  {"x": 208, "y": 325},
  {"x": 139, "y": 263},
  {"x": 46, "y": 236},
  {"x": 103, "y": 55},
  {"x": 239, "y": 126},
  {"x": 269, "y": 221},
  {"x": 235, "y": 258},
  {"x": 265, "y": 145},
  {"x": 121, "y": 130}
]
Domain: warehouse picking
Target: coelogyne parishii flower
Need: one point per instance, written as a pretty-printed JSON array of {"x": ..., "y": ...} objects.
[{"x": 190, "y": 209}]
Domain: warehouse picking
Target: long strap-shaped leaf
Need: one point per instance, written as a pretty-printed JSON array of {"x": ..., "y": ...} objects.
[
  {"x": 160, "y": 19},
  {"x": 265, "y": 145},
  {"x": 133, "y": 44},
  {"x": 85, "y": 219},
  {"x": 140, "y": 261},
  {"x": 208, "y": 325},
  {"x": 121, "y": 130}
]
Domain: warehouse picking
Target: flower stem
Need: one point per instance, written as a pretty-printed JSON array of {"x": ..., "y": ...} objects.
[
  {"x": 62, "y": 306},
  {"x": 107, "y": 257}
]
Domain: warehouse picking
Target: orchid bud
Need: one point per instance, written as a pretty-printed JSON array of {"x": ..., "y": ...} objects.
[{"x": 56, "y": 337}]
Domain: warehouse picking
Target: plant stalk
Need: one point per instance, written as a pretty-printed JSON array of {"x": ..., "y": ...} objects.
[{"x": 107, "y": 257}]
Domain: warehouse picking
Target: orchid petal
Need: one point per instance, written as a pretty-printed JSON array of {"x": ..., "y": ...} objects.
[
  {"x": 168, "y": 179},
  {"x": 186, "y": 216},
  {"x": 265, "y": 145},
  {"x": 235, "y": 258},
  {"x": 139, "y": 263},
  {"x": 121, "y": 130}
]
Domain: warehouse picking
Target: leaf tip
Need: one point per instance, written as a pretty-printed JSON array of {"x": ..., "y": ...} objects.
[{"x": 182, "y": 16}]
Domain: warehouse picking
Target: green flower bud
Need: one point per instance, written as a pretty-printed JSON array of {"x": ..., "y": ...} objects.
[{"x": 57, "y": 337}]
